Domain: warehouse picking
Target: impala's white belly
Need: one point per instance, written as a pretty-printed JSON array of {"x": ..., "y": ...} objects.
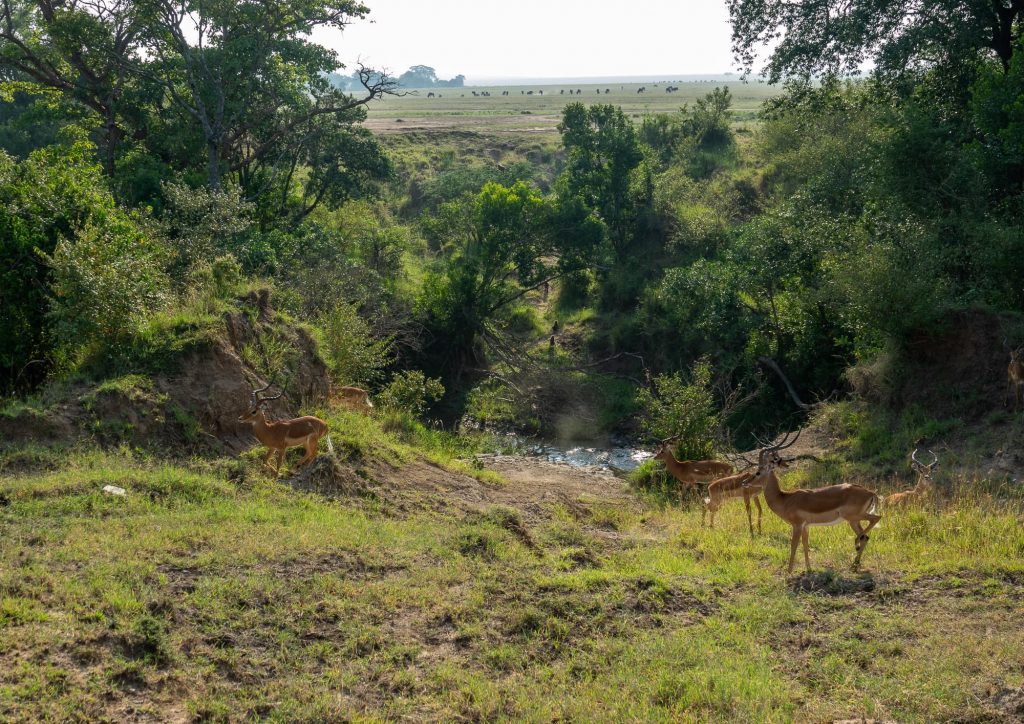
[{"x": 824, "y": 522}]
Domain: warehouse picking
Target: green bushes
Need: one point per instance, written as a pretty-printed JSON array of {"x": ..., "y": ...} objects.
[
  {"x": 411, "y": 391},
  {"x": 684, "y": 407},
  {"x": 354, "y": 355}
]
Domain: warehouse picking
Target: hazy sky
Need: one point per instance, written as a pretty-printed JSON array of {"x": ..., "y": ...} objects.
[{"x": 540, "y": 38}]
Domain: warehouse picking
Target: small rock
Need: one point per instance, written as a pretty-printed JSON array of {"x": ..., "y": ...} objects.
[{"x": 114, "y": 490}]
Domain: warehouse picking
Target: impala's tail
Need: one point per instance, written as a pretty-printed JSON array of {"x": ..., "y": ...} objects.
[{"x": 330, "y": 445}]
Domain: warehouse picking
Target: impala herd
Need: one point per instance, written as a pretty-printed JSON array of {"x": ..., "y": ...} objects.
[{"x": 802, "y": 509}]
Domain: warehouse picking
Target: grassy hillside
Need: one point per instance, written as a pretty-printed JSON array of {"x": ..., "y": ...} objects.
[{"x": 211, "y": 592}]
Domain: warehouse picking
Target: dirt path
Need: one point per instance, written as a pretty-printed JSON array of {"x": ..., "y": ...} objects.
[{"x": 530, "y": 485}]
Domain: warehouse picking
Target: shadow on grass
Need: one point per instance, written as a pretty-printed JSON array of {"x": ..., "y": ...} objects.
[{"x": 832, "y": 583}]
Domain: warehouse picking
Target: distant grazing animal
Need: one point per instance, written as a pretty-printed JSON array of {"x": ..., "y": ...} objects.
[
  {"x": 607, "y": 91},
  {"x": 1015, "y": 376},
  {"x": 641, "y": 89},
  {"x": 690, "y": 472},
  {"x": 733, "y": 486},
  {"x": 924, "y": 481},
  {"x": 354, "y": 397},
  {"x": 283, "y": 434},
  {"x": 821, "y": 506},
  {"x": 561, "y": 92},
  {"x": 430, "y": 95}
]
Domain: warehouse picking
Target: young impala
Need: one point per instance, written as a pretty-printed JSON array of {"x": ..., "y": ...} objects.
[
  {"x": 690, "y": 472},
  {"x": 924, "y": 482},
  {"x": 822, "y": 506},
  {"x": 280, "y": 435},
  {"x": 734, "y": 486}
]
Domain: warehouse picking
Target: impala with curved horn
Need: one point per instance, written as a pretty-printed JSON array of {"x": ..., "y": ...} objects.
[
  {"x": 280, "y": 435},
  {"x": 822, "y": 506},
  {"x": 924, "y": 481},
  {"x": 690, "y": 472}
]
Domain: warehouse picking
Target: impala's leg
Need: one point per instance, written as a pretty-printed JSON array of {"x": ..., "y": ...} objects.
[
  {"x": 793, "y": 543},
  {"x": 280, "y": 459},
  {"x": 805, "y": 534},
  {"x": 757, "y": 502},
  {"x": 310, "y": 446},
  {"x": 750, "y": 520}
]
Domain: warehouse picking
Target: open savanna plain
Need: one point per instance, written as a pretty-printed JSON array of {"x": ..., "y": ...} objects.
[
  {"x": 487, "y": 588},
  {"x": 540, "y": 113}
]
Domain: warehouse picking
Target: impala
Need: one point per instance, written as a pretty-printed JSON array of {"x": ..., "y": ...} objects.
[
  {"x": 690, "y": 472},
  {"x": 280, "y": 435},
  {"x": 354, "y": 397},
  {"x": 822, "y": 506},
  {"x": 924, "y": 481},
  {"x": 1015, "y": 377},
  {"x": 734, "y": 486}
]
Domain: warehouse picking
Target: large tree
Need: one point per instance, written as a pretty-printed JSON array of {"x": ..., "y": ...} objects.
[
  {"x": 82, "y": 48},
  {"x": 248, "y": 75},
  {"x": 604, "y": 157},
  {"x": 840, "y": 36}
]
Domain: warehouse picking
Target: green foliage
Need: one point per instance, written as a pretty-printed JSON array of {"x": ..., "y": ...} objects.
[
  {"x": 684, "y": 407},
  {"x": 105, "y": 282},
  {"x": 411, "y": 391},
  {"x": 496, "y": 247},
  {"x": 73, "y": 266},
  {"x": 839, "y": 37},
  {"x": 604, "y": 168},
  {"x": 353, "y": 353}
]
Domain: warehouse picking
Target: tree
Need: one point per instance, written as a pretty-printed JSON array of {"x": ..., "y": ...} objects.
[
  {"x": 82, "y": 49},
  {"x": 842, "y": 36},
  {"x": 248, "y": 76},
  {"x": 418, "y": 76},
  {"x": 602, "y": 169},
  {"x": 496, "y": 247}
]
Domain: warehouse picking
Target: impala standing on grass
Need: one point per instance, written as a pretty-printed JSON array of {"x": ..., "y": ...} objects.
[
  {"x": 821, "y": 506},
  {"x": 280, "y": 435},
  {"x": 734, "y": 486},
  {"x": 690, "y": 472}
]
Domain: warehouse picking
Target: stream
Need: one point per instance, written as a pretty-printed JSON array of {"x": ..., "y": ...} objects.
[{"x": 616, "y": 455}]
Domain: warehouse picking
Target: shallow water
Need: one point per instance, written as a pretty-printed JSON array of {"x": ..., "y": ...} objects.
[{"x": 583, "y": 455}]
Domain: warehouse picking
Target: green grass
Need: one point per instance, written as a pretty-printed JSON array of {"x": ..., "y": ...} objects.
[{"x": 212, "y": 592}]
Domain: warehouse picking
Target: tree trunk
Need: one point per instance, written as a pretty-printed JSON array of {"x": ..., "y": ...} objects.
[{"x": 213, "y": 165}]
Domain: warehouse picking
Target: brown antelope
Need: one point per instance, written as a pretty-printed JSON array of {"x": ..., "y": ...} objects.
[
  {"x": 690, "y": 472},
  {"x": 822, "y": 506},
  {"x": 1015, "y": 377},
  {"x": 733, "y": 487},
  {"x": 355, "y": 398},
  {"x": 924, "y": 482},
  {"x": 280, "y": 435}
]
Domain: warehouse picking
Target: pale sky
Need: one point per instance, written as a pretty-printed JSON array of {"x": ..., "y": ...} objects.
[{"x": 539, "y": 38}]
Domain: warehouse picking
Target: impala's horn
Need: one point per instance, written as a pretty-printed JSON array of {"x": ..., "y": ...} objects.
[
  {"x": 786, "y": 442},
  {"x": 258, "y": 400}
]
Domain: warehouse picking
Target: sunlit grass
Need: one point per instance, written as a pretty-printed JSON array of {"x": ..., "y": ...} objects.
[{"x": 213, "y": 591}]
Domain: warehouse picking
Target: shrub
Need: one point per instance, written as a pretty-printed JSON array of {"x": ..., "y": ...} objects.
[
  {"x": 104, "y": 283},
  {"x": 353, "y": 353},
  {"x": 684, "y": 407},
  {"x": 411, "y": 391}
]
